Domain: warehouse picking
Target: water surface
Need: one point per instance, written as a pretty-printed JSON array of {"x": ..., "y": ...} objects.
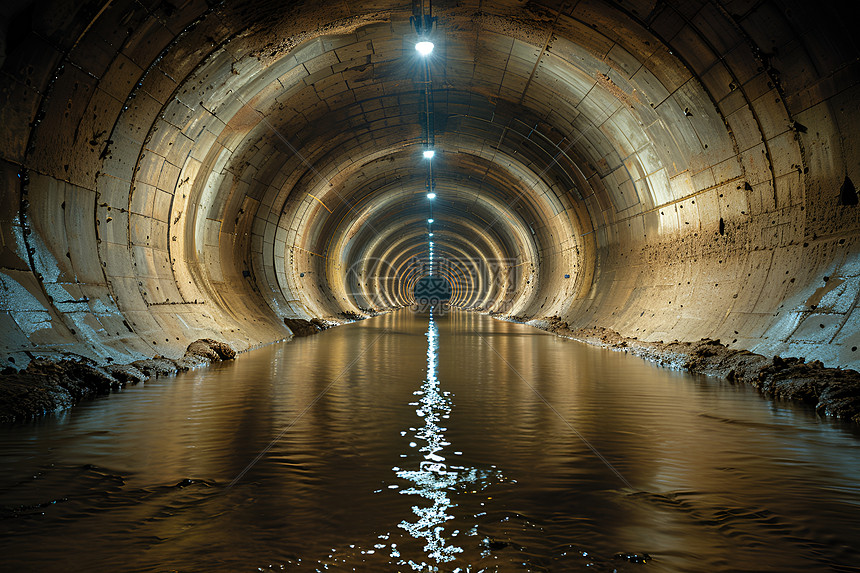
[{"x": 460, "y": 443}]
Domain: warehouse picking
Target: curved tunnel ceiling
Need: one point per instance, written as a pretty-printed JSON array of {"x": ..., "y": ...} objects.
[{"x": 671, "y": 170}]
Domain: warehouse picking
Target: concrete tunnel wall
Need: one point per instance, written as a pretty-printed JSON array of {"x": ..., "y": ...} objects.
[{"x": 173, "y": 170}]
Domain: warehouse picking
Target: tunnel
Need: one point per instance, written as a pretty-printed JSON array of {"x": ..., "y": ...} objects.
[
  {"x": 668, "y": 170},
  {"x": 190, "y": 181}
]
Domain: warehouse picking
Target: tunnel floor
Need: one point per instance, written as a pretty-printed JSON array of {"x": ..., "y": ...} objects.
[{"x": 447, "y": 443}]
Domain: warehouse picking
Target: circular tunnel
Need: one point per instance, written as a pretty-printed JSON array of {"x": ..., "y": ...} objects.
[{"x": 174, "y": 170}]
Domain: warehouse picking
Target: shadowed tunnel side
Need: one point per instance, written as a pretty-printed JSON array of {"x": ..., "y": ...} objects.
[{"x": 182, "y": 170}]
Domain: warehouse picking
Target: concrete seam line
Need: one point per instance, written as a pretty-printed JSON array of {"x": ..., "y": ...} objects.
[
  {"x": 305, "y": 161},
  {"x": 561, "y": 151},
  {"x": 303, "y": 412},
  {"x": 557, "y": 413}
]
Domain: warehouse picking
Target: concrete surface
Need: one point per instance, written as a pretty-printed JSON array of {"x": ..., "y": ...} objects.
[{"x": 670, "y": 170}]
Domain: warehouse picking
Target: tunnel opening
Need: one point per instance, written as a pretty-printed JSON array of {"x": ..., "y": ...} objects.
[{"x": 431, "y": 291}]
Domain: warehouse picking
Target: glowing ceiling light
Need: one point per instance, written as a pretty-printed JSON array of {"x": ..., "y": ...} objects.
[
  {"x": 424, "y": 48},
  {"x": 430, "y": 234},
  {"x": 431, "y": 195},
  {"x": 429, "y": 220},
  {"x": 429, "y": 153}
]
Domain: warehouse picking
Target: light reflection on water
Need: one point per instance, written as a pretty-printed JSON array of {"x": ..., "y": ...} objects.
[
  {"x": 432, "y": 480},
  {"x": 412, "y": 445},
  {"x": 435, "y": 479}
]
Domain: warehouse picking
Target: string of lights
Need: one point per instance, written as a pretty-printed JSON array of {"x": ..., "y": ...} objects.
[{"x": 423, "y": 22}]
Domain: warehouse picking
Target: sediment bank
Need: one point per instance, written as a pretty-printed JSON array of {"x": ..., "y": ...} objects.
[
  {"x": 832, "y": 392},
  {"x": 47, "y": 386}
]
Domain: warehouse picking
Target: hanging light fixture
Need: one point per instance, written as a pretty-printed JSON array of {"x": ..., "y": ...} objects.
[
  {"x": 424, "y": 48},
  {"x": 423, "y": 22}
]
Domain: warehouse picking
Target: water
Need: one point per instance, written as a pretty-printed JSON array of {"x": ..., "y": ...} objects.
[{"x": 465, "y": 444}]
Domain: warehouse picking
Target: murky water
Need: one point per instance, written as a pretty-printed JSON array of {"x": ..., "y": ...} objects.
[{"x": 461, "y": 444}]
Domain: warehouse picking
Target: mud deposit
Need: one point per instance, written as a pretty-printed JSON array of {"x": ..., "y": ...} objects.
[
  {"x": 50, "y": 386},
  {"x": 832, "y": 391}
]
